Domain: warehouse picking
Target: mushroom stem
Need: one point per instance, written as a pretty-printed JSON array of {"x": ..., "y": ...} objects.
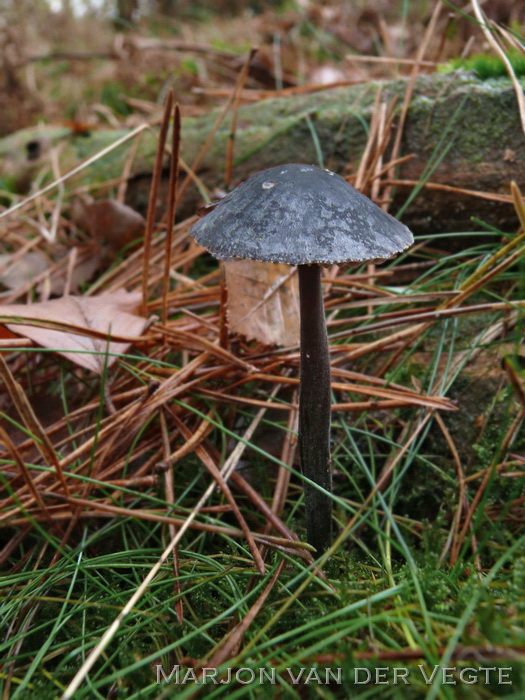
[{"x": 314, "y": 407}]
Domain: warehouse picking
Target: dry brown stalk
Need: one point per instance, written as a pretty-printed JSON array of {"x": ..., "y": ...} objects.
[
  {"x": 515, "y": 379},
  {"x": 244, "y": 487},
  {"x": 133, "y": 417},
  {"x": 172, "y": 204},
  {"x": 99, "y": 508},
  {"x": 25, "y": 473},
  {"x": 287, "y": 457},
  {"x": 153, "y": 196},
  {"x": 12, "y": 544},
  {"x": 491, "y": 196},
  {"x": 418, "y": 315},
  {"x": 360, "y": 179},
  {"x": 243, "y": 74},
  {"x": 453, "y": 539},
  {"x": 194, "y": 341},
  {"x": 70, "y": 328},
  {"x": 111, "y": 424},
  {"x": 408, "y": 395},
  {"x": 486, "y": 272},
  {"x": 256, "y": 95},
  {"x": 423, "y": 46},
  {"x": 391, "y": 60}
]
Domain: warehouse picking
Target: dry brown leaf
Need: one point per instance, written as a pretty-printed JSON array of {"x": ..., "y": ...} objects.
[
  {"x": 23, "y": 270},
  {"x": 108, "y": 221},
  {"x": 20, "y": 273},
  {"x": 263, "y": 301},
  {"x": 113, "y": 314}
]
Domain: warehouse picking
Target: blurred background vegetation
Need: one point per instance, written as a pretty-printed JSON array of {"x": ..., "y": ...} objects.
[{"x": 92, "y": 61}]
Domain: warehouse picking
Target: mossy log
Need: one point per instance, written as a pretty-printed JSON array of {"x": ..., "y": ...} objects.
[{"x": 460, "y": 131}]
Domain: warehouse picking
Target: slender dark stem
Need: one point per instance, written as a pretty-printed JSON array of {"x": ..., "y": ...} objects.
[{"x": 314, "y": 407}]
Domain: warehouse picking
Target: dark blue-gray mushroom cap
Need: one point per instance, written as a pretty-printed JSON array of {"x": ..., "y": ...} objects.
[{"x": 300, "y": 214}]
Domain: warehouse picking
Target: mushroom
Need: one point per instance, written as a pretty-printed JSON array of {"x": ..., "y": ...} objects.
[{"x": 305, "y": 216}]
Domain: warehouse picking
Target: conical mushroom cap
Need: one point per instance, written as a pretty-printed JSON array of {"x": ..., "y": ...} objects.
[{"x": 300, "y": 214}]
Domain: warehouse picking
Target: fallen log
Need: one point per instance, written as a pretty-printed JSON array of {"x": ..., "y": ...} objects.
[{"x": 461, "y": 133}]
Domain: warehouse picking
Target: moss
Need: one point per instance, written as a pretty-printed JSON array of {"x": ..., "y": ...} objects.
[
  {"x": 487, "y": 65},
  {"x": 480, "y": 106},
  {"x": 112, "y": 96}
]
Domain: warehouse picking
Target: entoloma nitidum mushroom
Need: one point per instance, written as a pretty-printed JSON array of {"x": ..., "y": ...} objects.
[{"x": 305, "y": 216}]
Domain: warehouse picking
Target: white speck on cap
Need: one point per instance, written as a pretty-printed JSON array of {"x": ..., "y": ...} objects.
[{"x": 268, "y": 185}]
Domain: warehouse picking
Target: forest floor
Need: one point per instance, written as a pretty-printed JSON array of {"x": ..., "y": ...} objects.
[{"x": 152, "y": 513}]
